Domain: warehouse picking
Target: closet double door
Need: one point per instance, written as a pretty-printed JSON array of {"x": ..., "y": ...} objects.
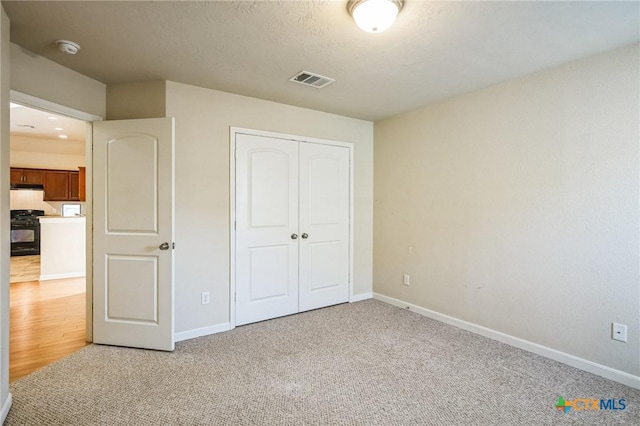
[{"x": 292, "y": 226}]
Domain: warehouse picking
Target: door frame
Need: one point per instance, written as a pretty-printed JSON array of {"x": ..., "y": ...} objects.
[
  {"x": 233, "y": 131},
  {"x": 48, "y": 106}
]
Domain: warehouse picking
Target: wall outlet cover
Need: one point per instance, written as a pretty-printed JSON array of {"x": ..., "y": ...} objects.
[{"x": 619, "y": 332}]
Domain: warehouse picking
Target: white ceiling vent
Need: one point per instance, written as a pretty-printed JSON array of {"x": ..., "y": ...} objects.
[{"x": 310, "y": 79}]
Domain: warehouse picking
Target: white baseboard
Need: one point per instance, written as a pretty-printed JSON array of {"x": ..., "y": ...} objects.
[
  {"x": 565, "y": 358},
  {"x": 5, "y": 408},
  {"x": 203, "y": 331},
  {"x": 361, "y": 296},
  {"x": 60, "y": 276}
]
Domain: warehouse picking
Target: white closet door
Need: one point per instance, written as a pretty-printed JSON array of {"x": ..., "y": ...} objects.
[
  {"x": 266, "y": 219},
  {"x": 324, "y": 226}
]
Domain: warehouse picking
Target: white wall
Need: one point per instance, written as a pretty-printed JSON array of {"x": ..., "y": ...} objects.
[
  {"x": 21, "y": 199},
  {"x": 203, "y": 118},
  {"x": 62, "y": 247},
  {"x": 42, "y": 153},
  {"x": 516, "y": 207},
  {"x": 5, "y": 396}
]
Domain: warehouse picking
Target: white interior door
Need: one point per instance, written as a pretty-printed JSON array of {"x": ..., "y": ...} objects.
[
  {"x": 266, "y": 228},
  {"x": 133, "y": 196},
  {"x": 324, "y": 226}
]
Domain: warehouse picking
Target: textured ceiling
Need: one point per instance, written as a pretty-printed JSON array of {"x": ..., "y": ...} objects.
[{"x": 435, "y": 50}]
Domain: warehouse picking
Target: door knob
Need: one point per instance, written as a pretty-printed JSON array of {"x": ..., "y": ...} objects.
[
  {"x": 294, "y": 236},
  {"x": 305, "y": 236},
  {"x": 164, "y": 246}
]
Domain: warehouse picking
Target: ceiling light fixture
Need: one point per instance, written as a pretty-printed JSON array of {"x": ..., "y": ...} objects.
[
  {"x": 374, "y": 16},
  {"x": 67, "y": 46},
  {"x": 63, "y": 136}
]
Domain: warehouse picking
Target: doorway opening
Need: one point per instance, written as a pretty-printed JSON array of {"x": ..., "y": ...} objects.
[{"x": 48, "y": 297}]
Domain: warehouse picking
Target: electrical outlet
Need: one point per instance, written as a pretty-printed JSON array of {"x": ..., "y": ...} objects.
[
  {"x": 204, "y": 298},
  {"x": 619, "y": 332},
  {"x": 406, "y": 279}
]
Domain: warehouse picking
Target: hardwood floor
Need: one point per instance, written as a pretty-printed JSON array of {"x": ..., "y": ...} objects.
[
  {"x": 25, "y": 268},
  {"x": 47, "y": 322}
]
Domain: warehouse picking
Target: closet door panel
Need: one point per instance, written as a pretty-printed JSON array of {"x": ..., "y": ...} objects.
[
  {"x": 266, "y": 219},
  {"x": 324, "y": 220}
]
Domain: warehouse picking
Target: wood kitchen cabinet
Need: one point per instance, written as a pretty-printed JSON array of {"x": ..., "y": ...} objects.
[
  {"x": 59, "y": 185},
  {"x": 29, "y": 176},
  {"x": 74, "y": 186},
  {"x": 56, "y": 185},
  {"x": 82, "y": 183},
  {"x": 16, "y": 176}
]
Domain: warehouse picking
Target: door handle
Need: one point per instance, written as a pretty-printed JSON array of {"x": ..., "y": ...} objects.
[
  {"x": 305, "y": 236},
  {"x": 164, "y": 246},
  {"x": 294, "y": 236}
]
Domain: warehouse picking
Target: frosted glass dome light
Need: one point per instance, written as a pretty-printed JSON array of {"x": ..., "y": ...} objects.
[{"x": 374, "y": 16}]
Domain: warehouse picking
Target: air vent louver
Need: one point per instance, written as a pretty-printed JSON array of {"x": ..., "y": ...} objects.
[{"x": 310, "y": 79}]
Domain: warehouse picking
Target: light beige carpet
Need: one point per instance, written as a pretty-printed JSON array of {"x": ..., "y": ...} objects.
[{"x": 366, "y": 363}]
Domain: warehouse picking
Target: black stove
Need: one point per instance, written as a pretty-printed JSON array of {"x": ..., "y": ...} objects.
[
  {"x": 26, "y": 216},
  {"x": 25, "y": 232}
]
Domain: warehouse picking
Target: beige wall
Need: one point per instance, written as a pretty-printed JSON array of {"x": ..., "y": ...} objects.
[
  {"x": 41, "y": 78},
  {"x": 47, "y": 153},
  {"x": 5, "y": 400},
  {"x": 203, "y": 118},
  {"x": 143, "y": 99},
  {"x": 37, "y": 76},
  {"x": 516, "y": 207}
]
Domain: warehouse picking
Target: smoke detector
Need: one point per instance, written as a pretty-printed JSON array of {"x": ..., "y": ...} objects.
[{"x": 67, "y": 46}]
